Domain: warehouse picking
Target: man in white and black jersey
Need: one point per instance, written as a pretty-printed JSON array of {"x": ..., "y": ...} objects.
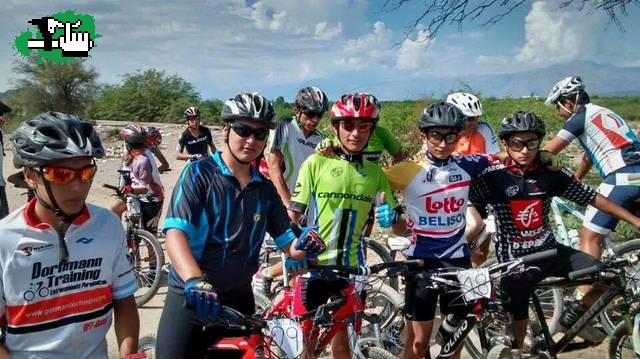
[
  {"x": 609, "y": 144},
  {"x": 62, "y": 275}
]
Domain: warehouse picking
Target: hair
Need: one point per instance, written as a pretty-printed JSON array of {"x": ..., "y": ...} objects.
[{"x": 583, "y": 98}]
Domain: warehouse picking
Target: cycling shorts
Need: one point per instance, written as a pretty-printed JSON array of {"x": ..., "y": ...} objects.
[
  {"x": 621, "y": 187},
  {"x": 517, "y": 289},
  {"x": 310, "y": 293},
  {"x": 151, "y": 212},
  {"x": 420, "y": 302}
]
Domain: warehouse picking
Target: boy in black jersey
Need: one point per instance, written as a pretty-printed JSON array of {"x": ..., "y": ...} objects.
[{"x": 520, "y": 191}]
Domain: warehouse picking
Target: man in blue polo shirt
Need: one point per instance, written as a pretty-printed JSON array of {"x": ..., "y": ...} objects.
[{"x": 216, "y": 221}]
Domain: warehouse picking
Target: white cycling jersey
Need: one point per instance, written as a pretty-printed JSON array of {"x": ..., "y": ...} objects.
[{"x": 56, "y": 309}]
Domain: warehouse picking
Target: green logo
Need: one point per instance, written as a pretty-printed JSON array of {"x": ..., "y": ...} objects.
[{"x": 60, "y": 37}]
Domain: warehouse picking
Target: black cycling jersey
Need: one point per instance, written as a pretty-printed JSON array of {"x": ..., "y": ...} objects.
[
  {"x": 195, "y": 145},
  {"x": 522, "y": 203}
]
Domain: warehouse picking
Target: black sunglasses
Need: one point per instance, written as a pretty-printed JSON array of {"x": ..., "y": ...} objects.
[
  {"x": 516, "y": 145},
  {"x": 313, "y": 114},
  {"x": 245, "y": 131},
  {"x": 436, "y": 137}
]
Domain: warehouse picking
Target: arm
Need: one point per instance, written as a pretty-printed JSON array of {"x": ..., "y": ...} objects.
[
  {"x": 584, "y": 167},
  {"x": 164, "y": 164},
  {"x": 602, "y": 203},
  {"x": 4, "y": 353},
  {"x": 400, "y": 227},
  {"x": 180, "y": 155},
  {"x": 276, "y": 173},
  {"x": 182, "y": 259},
  {"x": 126, "y": 324},
  {"x": 556, "y": 145},
  {"x": 398, "y": 156}
]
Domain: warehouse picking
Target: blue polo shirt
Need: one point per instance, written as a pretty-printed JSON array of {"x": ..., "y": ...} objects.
[{"x": 225, "y": 225}]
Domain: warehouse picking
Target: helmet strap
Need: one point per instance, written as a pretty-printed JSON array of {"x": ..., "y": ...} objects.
[
  {"x": 373, "y": 127},
  {"x": 564, "y": 108}
]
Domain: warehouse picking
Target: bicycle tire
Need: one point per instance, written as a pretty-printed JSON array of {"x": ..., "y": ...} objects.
[
  {"x": 608, "y": 317},
  {"x": 377, "y": 353},
  {"x": 148, "y": 279},
  {"x": 391, "y": 307},
  {"x": 384, "y": 256},
  {"x": 620, "y": 346},
  {"x": 499, "y": 351},
  {"x": 147, "y": 345}
]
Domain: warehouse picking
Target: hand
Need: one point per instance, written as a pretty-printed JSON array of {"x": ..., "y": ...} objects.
[
  {"x": 75, "y": 41},
  {"x": 385, "y": 215},
  {"x": 163, "y": 168},
  {"x": 195, "y": 157},
  {"x": 309, "y": 241},
  {"x": 327, "y": 147},
  {"x": 296, "y": 267},
  {"x": 127, "y": 189},
  {"x": 550, "y": 159},
  {"x": 200, "y": 294}
]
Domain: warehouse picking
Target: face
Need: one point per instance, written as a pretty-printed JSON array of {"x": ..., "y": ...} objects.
[
  {"x": 522, "y": 147},
  {"x": 1, "y": 120},
  {"x": 354, "y": 134},
  {"x": 247, "y": 139},
  {"x": 193, "y": 122},
  {"x": 70, "y": 196},
  {"x": 470, "y": 124},
  {"x": 564, "y": 111},
  {"x": 308, "y": 119},
  {"x": 440, "y": 141}
]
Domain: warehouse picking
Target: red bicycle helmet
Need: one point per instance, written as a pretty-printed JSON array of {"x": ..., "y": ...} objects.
[
  {"x": 154, "y": 137},
  {"x": 134, "y": 134},
  {"x": 355, "y": 106}
]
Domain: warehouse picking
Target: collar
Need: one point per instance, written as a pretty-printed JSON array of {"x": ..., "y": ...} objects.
[
  {"x": 217, "y": 160},
  {"x": 32, "y": 220},
  {"x": 436, "y": 161},
  {"x": 517, "y": 169},
  {"x": 356, "y": 158}
]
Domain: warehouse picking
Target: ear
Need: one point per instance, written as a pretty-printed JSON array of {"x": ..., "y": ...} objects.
[
  {"x": 503, "y": 143},
  {"x": 31, "y": 177},
  {"x": 423, "y": 136},
  {"x": 297, "y": 111},
  {"x": 336, "y": 128}
]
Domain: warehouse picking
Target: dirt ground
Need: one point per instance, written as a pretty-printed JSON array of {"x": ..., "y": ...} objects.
[{"x": 107, "y": 167}]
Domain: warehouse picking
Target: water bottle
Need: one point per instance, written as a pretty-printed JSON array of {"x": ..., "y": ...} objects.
[
  {"x": 574, "y": 238},
  {"x": 447, "y": 328}
]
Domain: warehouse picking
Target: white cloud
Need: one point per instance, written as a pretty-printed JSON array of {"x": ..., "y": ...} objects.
[
  {"x": 264, "y": 17},
  {"x": 371, "y": 49},
  {"x": 412, "y": 53},
  {"x": 326, "y": 32}
]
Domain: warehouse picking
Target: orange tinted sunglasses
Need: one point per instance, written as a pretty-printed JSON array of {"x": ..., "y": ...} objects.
[{"x": 63, "y": 175}]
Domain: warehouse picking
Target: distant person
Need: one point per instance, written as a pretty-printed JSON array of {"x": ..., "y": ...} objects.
[
  {"x": 196, "y": 140},
  {"x": 4, "y": 205},
  {"x": 154, "y": 139}
]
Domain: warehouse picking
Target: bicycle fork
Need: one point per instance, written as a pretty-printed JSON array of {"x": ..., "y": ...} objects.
[{"x": 455, "y": 339}]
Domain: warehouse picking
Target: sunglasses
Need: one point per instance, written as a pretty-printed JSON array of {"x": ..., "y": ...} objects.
[
  {"x": 245, "y": 131},
  {"x": 352, "y": 125},
  {"x": 313, "y": 114},
  {"x": 193, "y": 118},
  {"x": 63, "y": 175},
  {"x": 436, "y": 137},
  {"x": 471, "y": 118},
  {"x": 517, "y": 146}
]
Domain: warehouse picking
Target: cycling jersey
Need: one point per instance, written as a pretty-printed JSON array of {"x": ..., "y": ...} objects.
[
  {"x": 145, "y": 175},
  {"x": 195, "y": 145},
  {"x": 435, "y": 194},
  {"x": 522, "y": 203},
  {"x": 289, "y": 139},
  {"x": 225, "y": 224},
  {"x": 604, "y": 136},
  {"x": 344, "y": 192},
  {"x": 56, "y": 309},
  {"x": 381, "y": 140},
  {"x": 483, "y": 140}
]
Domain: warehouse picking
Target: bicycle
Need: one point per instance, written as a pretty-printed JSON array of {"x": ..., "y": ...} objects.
[{"x": 144, "y": 251}]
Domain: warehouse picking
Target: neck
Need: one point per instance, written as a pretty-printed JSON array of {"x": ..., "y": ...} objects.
[
  {"x": 467, "y": 131},
  {"x": 237, "y": 168},
  {"x": 194, "y": 130},
  {"x": 45, "y": 215}
]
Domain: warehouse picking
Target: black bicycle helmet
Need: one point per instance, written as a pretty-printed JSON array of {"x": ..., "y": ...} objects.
[
  {"x": 521, "y": 121},
  {"x": 312, "y": 99},
  {"x": 249, "y": 106},
  {"x": 441, "y": 115},
  {"x": 54, "y": 136}
]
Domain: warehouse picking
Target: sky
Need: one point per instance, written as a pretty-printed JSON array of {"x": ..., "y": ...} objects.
[{"x": 277, "y": 46}]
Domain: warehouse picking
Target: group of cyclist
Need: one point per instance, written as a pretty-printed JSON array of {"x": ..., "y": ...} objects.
[{"x": 63, "y": 275}]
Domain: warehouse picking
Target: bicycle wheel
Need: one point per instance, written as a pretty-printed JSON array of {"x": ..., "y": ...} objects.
[
  {"x": 385, "y": 304},
  {"x": 377, "y": 252},
  {"x": 147, "y": 345},
  {"x": 147, "y": 259},
  {"x": 612, "y": 315},
  {"x": 621, "y": 346}
]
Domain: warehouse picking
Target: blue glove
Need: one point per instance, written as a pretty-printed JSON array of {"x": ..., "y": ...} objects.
[
  {"x": 294, "y": 266},
  {"x": 309, "y": 241},
  {"x": 200, "y": 294},
  {"x": 385, "y": 215}
]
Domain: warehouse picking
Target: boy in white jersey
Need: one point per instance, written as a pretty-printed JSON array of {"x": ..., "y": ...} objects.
[
  {"x": 62, "y": 275},
  {"x": 609, "y": 144}
]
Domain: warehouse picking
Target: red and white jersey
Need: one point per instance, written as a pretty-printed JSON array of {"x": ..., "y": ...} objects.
[
  {"x": 604, "y": 136},
  {"x": 57, "y": 309}
]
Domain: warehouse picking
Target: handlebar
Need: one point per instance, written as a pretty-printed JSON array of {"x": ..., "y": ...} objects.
[
  {"x": 403, "y": 267},
  {"x": 601, "y": 267}
]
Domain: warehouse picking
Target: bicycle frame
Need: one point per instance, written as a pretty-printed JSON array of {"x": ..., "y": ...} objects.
[{"x": 250, "y": 346}]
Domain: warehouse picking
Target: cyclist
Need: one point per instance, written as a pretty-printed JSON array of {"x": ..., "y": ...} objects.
[
  {"x": 63, "y": 275},
  {"x": 4, "y": 205},
  {"x": 196, "y": 140},
  {"x": 154, "y": 139},
  {"x": 520, "y": 190},
  {"x": 294, "y": 140},
  {"x": 435, "y": 192},
  {"x": 609, "y": 143},
  {"x": 344, "y": 188},
  {"x": 476, "y": 137},
  {"x": 219, "y": 213}
]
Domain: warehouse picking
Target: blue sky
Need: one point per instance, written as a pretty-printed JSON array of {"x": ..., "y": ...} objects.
[{"x": 276, "y": 46}]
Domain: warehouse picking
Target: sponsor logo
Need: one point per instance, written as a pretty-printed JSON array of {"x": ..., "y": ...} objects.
[
  {"x": 447, "y": 205},
  {"x": 430, "y": 175},
  {"x": 84, "y": 240},
  {"x": 65, "y": 272},
  {"x": 511, "y": 191},
  {"x": 351, "y": 196},
  {"x": 94, "y": 324},
  {"x": 29, "y": 250},
  {"x": 336, "y": 171},
  {"x": 443, "y": 221},
  {"x": 256, "y": 217},
  {"x": 455, "y": 178},
  {"x": 527, "y": 214},
  {"x": 307, "y": 143}
]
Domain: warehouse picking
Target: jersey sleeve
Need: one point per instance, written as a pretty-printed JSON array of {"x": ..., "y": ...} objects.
[
  {"x": 568, "y": 186},
  {"x": 401, "y": 174},
  {"x": 302, "y": 193},
  {"x": 574, "y": 126},
  {"x": 479, "y": 191},
  {"x": 279, "y": 136},
  {"x": 490, "y": 138},
  {"x": 389, "y": 142},
  {"x": 181, "y": 143},
  {"x": 124, "y": 281},
  {"x": 209, "y": 136}
]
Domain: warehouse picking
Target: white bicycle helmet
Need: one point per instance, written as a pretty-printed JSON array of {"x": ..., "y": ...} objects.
[
  {"x": 467, "y": 103},
  {"x": 249, "y": 106},
  {"x": 566, "y": 87}
]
